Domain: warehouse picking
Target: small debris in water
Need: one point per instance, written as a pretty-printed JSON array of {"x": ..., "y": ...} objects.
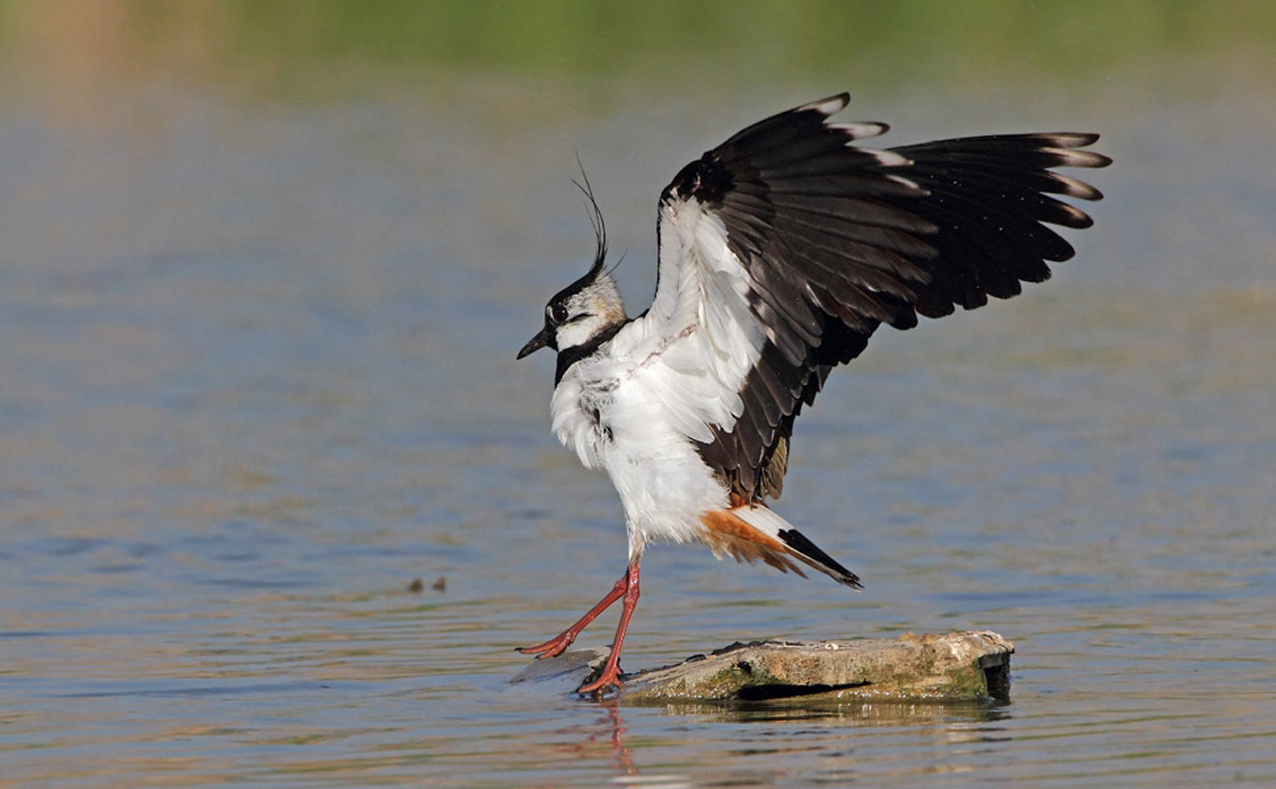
[{"x": 417, "y": 586}]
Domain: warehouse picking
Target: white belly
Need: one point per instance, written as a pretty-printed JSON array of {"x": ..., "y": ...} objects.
[{"x": 610, "y": 415}]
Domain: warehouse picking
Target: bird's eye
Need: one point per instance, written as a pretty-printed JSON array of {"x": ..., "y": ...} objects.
[{"x": 556, "y": 312}]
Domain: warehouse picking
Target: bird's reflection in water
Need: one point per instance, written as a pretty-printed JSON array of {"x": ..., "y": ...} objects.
[
  {"x": 968, "y": 722},
  {"x": 623, "y": 757}
]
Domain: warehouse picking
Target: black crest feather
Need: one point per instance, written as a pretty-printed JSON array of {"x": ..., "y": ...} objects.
[{"x": 595, "y": 219}]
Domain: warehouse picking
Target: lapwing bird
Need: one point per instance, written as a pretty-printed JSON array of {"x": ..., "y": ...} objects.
[{"x": 781, "y": 251}]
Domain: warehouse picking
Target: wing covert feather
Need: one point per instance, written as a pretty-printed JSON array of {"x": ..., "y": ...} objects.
[{"x": 783, "y": 249}]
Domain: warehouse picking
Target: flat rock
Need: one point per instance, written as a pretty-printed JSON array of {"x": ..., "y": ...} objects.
[
  {"x": 950, "y": 667},
  {"x": 968, "y": 666},
  {"x": 572, "y": 667}
]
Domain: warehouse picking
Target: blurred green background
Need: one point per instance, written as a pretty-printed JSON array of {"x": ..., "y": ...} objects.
[{"x": 275, "y": 46}]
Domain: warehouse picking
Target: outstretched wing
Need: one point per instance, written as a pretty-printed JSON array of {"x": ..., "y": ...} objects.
[{"x": 783, "y": 249}]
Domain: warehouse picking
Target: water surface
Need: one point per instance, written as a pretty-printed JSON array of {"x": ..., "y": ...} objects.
[{"x": 257, "y": 376}]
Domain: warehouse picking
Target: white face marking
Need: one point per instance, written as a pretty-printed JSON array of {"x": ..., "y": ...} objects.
[{"x": 586, "y": 313}]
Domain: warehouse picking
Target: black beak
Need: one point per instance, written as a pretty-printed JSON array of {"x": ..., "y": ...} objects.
[{"x": 536, "y": 343}]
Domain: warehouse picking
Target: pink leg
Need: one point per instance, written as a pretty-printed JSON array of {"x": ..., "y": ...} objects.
[
  {"x": 556, "y": 645},
  {"x": 611, "y": 671}
]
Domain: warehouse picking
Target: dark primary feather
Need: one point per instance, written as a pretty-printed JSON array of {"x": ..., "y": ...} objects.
[{"x": 838, "y": 240}]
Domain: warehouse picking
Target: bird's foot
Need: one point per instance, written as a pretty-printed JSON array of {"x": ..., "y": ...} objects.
[
  {"x": 559, "y": 643},
  {"x": 600, "y": 684},
  {"x": 551, "y": 648},
  {"x": 610, "y": 677}
]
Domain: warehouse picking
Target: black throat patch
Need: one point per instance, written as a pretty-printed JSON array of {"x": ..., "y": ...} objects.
[{"x": 569, "y": 356}]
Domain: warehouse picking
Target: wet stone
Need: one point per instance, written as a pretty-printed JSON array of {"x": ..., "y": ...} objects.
[
  {"x": 969, "y": 666},
  {"x": 572, "y": 667}
]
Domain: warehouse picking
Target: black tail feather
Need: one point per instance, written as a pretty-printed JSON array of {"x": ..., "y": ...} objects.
[{"x": 810, "y": 553}]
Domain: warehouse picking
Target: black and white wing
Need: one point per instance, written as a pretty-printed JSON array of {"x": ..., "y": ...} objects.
[{"x": 783, "y": 249}]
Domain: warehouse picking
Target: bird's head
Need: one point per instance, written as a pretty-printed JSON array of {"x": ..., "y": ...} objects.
[
  {"x": 586, "y": 308},
  {"x": 578, "y": 313}
]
